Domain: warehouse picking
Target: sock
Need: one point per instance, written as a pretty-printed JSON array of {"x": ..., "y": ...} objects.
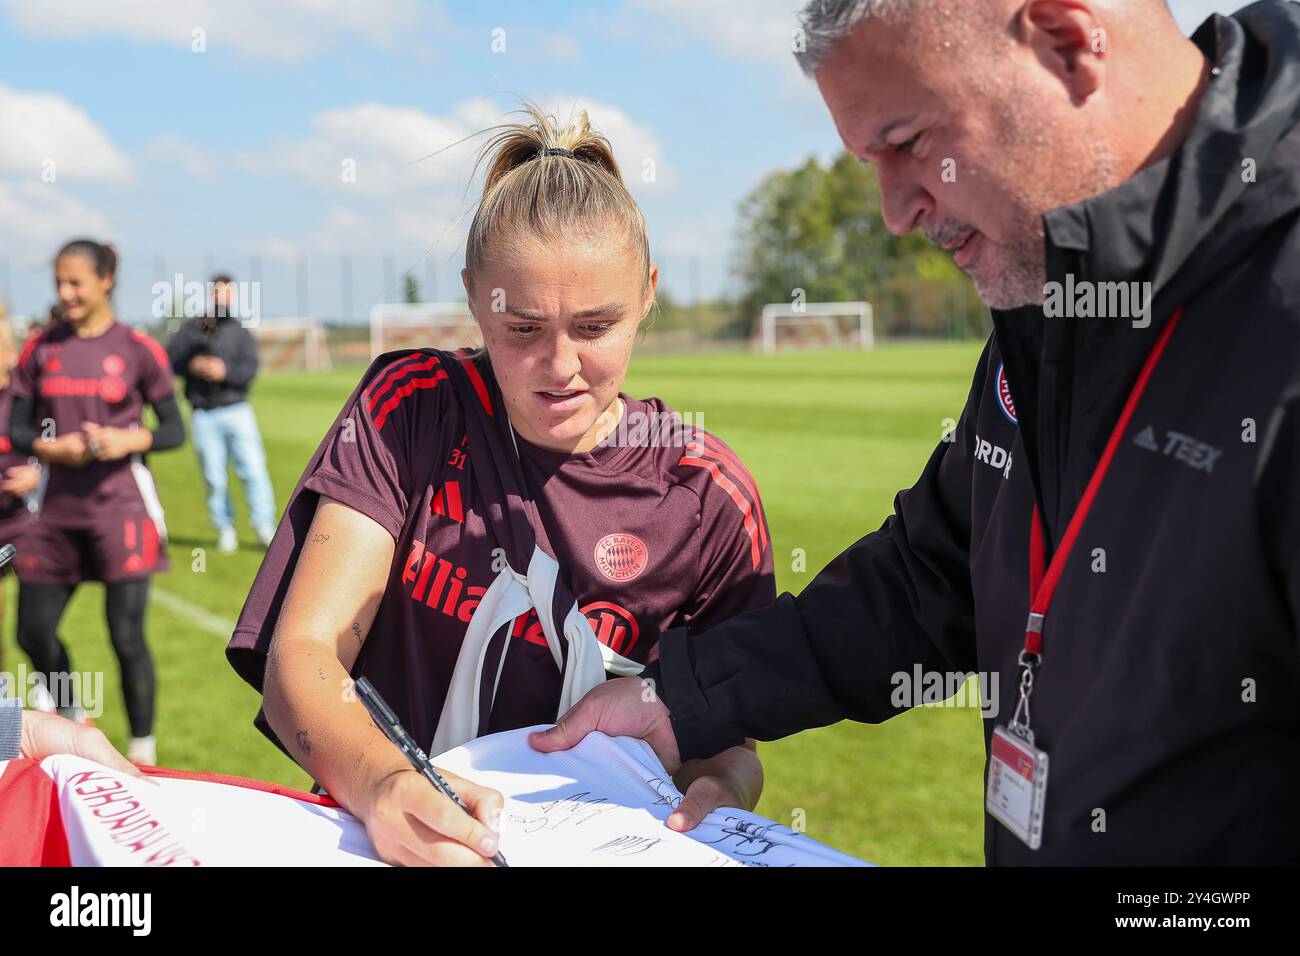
[{"x": 143, "y": 750}]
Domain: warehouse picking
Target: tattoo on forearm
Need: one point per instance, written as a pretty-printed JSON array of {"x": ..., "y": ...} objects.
[
  {"x": 304, "y": 742},
  {"x": 356, "y": 632},
  {"x": 319, "y": 538},
  {"x": 320, "y": 671}
]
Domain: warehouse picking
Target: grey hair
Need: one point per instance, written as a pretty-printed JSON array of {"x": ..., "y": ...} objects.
[{"x": 825, "y": 22}]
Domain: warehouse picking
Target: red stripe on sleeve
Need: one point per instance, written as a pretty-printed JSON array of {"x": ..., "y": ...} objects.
[
  {"x": 395, "y": 373},
  {"x": 30, "y": 346},
  {"x": 711, "y": 449},
  {"x": 391, "y": 367},
  {"x": 157, "y": 351},
  {"x": 401, "y": 393},
  {"x": 725, "y": 483}
]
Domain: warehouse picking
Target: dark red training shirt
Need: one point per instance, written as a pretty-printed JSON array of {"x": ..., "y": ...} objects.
[
  {"x": 646, "y": 537},
  {"x": 106, "y": 380}
]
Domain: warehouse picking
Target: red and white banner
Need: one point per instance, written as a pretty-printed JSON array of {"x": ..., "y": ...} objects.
[{"x": 70, "y": 811}]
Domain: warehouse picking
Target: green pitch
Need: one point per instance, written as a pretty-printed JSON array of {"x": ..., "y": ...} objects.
[{"x": 829, "y": 437}]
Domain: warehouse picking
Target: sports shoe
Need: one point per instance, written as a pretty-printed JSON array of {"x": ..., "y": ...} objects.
[
  {"x": 227, "y": 541},
  {"x": 143, "y": 750}
]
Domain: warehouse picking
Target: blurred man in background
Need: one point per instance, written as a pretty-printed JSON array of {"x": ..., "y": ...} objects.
[{"x": 217, "y": 357}]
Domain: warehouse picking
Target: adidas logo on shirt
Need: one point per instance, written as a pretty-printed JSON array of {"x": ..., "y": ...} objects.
[{"x": 1195, "y": 454}]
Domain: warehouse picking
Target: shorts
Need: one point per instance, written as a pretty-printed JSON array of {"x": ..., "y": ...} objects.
[
  {"x": 120, "y": 549},
  {"x": 15, "y": 530}
]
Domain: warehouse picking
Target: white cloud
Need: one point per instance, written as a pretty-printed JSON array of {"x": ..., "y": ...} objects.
[
  {"x": 406, "y": 200},
  {"x": 201, "y": 164},
  {"x": 763, "y": 30},
  {"x": 637, "y": 149},
  {"x": 273, "y": 247},
  {"x": 39, "y": 217},
  {"x": 560, "y": 47},
  {"x": 756, "y": 30},
  {"x": 44, "y": 128},
  {"x": 375, "y": 149},
  {"x": 283, "y": 30}
]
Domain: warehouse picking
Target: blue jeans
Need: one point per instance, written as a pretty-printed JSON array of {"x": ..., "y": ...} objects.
[{"x": 232, "y": 432}]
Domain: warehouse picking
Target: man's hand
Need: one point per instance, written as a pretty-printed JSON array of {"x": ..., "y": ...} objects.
[
  {"x": 624, "y": 707},
  {"x": 45, "y": 735},
  {"x": 208, "y": 367},
  {"x": 20, "y": 480},
  {"x": 109, "y": 444},
  {"x": 733, "y": 778}
]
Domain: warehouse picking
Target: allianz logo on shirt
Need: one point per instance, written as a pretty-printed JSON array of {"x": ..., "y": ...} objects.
[{"x": 1195, "y": 454}]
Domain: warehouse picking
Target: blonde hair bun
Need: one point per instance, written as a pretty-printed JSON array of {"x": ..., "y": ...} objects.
[{"x": 551, "y": 180}]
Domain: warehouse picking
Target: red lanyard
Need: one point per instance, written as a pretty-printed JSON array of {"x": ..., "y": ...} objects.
[{"x": 1042, "y": 582}]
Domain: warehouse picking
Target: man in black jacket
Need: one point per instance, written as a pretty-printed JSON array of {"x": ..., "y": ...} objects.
[
  {"x": 218, "y": 358},
  {"x": 1114, "y": 526}
]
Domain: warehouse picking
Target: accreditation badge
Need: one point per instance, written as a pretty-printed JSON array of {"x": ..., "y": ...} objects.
[{"x": 1017, "y": 783}]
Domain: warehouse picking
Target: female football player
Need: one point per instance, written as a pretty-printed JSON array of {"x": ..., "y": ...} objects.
[
  {"x": 79, "y": 389},
  {"x": 19, "y": 474},
  {"x": 401, "y": 539}
]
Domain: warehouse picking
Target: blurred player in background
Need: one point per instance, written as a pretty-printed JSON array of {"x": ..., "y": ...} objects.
[
  {"x": 19, "y": 474},
  {"x": 79, "y": 390},
  {"x": 217, "y": 356}
]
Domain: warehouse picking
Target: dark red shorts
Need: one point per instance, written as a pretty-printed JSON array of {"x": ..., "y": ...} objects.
[
  {"x": 123, "y": 549},
  {"x": 15, "y": 530}
]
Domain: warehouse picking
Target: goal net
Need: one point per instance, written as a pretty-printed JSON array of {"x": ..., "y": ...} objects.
[
  {"x": 816, "y": 325},
  {"x": 291, "y": 343},
  {"x": 439, "y": 325}
]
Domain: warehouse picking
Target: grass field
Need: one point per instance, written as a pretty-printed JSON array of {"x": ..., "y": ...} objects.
[{"x": 830, "y": 439}]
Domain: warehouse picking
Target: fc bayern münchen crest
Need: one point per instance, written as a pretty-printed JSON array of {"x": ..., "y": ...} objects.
[{"x": 1003, "y": 393}]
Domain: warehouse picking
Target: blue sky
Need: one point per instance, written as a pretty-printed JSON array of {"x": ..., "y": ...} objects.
[{"x": 211, "y": 134}]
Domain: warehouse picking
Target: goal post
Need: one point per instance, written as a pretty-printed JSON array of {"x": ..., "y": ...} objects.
[
  {"x": 816, "y": 324},
  {"x": 443, "y": 325},
  {"x": 291, "y": 342}
]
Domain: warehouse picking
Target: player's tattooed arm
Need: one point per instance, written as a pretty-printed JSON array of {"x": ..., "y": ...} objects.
[
  {"x": 304, "y": 742},
  {"x": 356, "y": 632},
  {"x": 319, "y": 538}
]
